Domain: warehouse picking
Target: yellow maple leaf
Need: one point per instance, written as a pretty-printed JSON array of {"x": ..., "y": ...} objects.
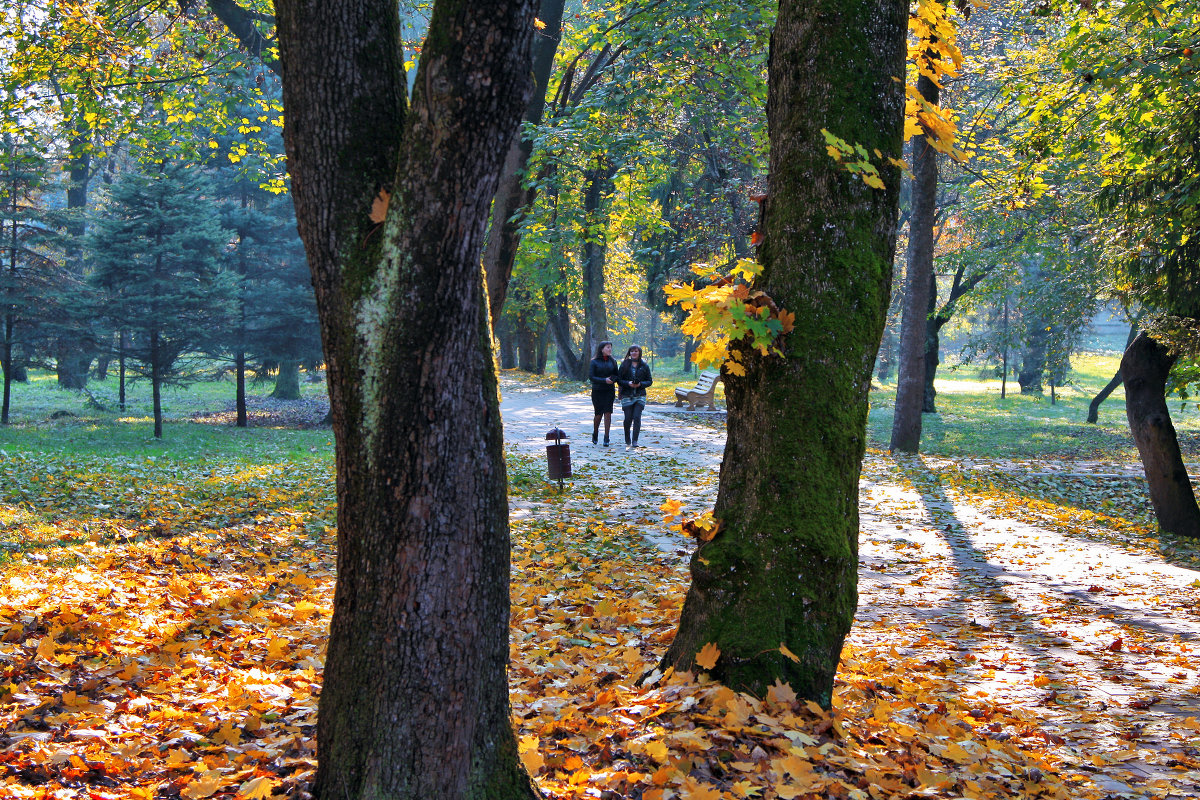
[
  {"x": 205, "y": 785},
  {"x": 708, "y": 655},
  {"x": 780, "y": 693},
  {"x": 658, "y": 750},
  {"x": 45, "y": 648},
  {"x": 533, "y": 760},
  {"x": 258, "y": 788},
  {"x": 735, "y": 368},
  {"x": 873, "y": 181},
  {"x": 784, "y": 650},
  {"x": 671, "y": 508},
  {"x": 693, "y": 789}
]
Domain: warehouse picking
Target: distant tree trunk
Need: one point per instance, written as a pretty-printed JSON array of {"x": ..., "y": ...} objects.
[
  {"x": 527, "y": 345},
  {"x": 884, "y": 363},
  {"x": 156, "y": 383},
  {"x": 1004, "y": 358},
  {"x": 507, "y": 342},
  {"x": 122, "y": 345},
  {"x": 570, "y": 366},
  {"x": 543, "y": 350},
  {"x": 513, "y": 199},
  {"x": 6, "y": 347},
  {"x": 71, "y": 356},
  {"x": 1145, "y": 367},
  {"x": 1094, "y": 407},
  {"x": 1033, "y": 358},
  {"x": 910, "y": 382},
  {"x": 239, "y": 372},
  {"x": 6, "y": 365},
  {"x": 100, "y": 371},
  {"x": 287, "y": 380},
  {"x": 689, "y": 347},
  {"x": 597, "y": 186},
  {"x": 933, "y": 327},
  {"x": 414, "y": 699},
  {"x": 783, "y": 568},
  {"x": 1093, "y": 415}
]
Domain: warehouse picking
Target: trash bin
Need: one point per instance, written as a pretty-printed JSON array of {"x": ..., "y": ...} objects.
[{"x": 558, "y": 456}]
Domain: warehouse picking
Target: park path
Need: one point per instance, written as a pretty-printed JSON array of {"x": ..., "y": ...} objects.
[{"x": 1101, "y": 645}]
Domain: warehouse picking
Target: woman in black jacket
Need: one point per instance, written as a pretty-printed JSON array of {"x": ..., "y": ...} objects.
[
  {"x": 633, "y": 377},
  {"x": 603, "y": 374}
]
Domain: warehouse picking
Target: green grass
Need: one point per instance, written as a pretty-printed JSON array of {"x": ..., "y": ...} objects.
[{"x": 973, "y": 420}]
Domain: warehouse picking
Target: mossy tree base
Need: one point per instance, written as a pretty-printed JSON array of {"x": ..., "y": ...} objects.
[{"x": 783, "y": 570}]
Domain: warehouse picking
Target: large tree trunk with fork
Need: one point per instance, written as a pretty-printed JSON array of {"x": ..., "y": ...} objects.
[{"x": 414, "y": 701}]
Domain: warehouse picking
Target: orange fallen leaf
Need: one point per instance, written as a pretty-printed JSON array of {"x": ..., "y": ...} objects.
[{"x": 708, "y": 655}]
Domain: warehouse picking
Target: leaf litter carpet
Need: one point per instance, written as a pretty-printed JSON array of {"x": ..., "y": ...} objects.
[{"x": 162, "y": 634}]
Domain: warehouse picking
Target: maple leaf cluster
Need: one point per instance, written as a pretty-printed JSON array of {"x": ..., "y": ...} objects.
[{"x": 725, "y": 311}]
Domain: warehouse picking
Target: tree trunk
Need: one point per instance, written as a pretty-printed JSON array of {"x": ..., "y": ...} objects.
[
  {"x": 414, "y": 701},
  {"x": 543, "y": 345},
  {"x": 526, "y": 345},
  {"x": 783, "y": 569},
  {"x": 570, "y": 366},
  {"x": 156, "y": 384},
  {"x": 910, "y": 380},
  {"x": 1093, "y": 415},
  {"x": 513, "y": 199},
  {"x": 71, "y": 357},
  {"x": 122, "y": 345},
  {"x": 1033, "y": 361},
  {"x": 598, "y": 185},
  {"x": 239, "y": 376},
  {"x": 884, "y": 363},
  {"x": 507, "y": 341},
  {"x": 932, "y": 357},
  {"x": 689, "y": 347},
  {"x": 1144, "y": 368},
  {"x": 6, "y": 367},
  {"x": 287, "y": 380}
]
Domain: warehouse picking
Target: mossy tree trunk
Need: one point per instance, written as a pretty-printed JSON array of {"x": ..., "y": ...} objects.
[
  {"x": 918, "y": 283},
  {"x": 1144, "y": 368},
  {"x": 414, "y": 702},
  {"x": 287, "y": 380},
  {"x": 783, "y": 569}
]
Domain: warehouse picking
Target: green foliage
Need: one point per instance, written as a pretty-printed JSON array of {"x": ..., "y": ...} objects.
[{"x": 155, "y": 253}]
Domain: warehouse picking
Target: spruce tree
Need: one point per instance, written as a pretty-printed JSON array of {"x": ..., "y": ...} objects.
[{"x": 156, "y": 253}]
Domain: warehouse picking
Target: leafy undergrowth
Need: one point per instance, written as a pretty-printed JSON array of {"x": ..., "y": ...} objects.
[{"x": 162, "y": 627}]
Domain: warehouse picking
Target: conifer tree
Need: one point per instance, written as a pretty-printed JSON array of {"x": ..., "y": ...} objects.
[{"x": 156, "y": 253}]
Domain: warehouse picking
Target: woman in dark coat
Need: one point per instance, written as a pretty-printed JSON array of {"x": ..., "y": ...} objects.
[
  {"x": 603, "y": 374},
  {"x": 633, "y": 376}
]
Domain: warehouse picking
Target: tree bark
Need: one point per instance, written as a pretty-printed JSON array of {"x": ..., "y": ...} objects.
[
  {"x": 507, "y": 342},
  {"x": 1033, "y": 360},
  {"x": 910, "y": 379},
  {"x": 1093, "y": 415},
  {"x": 156, "y": 384},
  {"x": 783, "y": 568},
  {"x": 1145, "y": 367},
  {"x": 414, "y": 702},
  {"x": 598, "y": 185},
  {"x": 287, "y": 381},
  {"x": 513, "y": 199},
  {"x": 932, "y": 357},
  {"x": 71, "y": 357},
  {"x": 569, "y": 365}
]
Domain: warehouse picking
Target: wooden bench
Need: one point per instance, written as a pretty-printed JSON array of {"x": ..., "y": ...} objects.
[{"x": 702, "y": 394}]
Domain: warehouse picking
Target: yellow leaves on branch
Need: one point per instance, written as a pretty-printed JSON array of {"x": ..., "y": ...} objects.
[
  {"x": 725, "y": 310},
  {"x": 932, "y": 52}
]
